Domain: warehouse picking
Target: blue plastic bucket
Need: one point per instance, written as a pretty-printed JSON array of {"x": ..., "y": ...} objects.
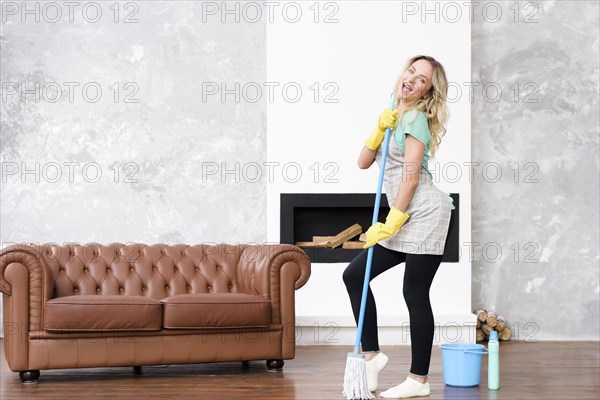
[{"x": 461, "y": 363}]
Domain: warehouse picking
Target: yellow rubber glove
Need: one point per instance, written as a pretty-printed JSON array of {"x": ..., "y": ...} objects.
[
  {"x": 387, "y": 119},
  {"x": 394, "y": 221}
]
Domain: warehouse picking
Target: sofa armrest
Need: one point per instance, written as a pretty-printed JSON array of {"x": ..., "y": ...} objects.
[
  {"x": 274, "y": 272},
  {"x": 39, "y": 284}
]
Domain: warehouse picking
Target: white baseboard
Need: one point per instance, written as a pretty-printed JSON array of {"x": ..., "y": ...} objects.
[{"x": 393, "y": 330}]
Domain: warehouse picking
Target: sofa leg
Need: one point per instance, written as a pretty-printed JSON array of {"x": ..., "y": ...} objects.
[
  {"x": 137, "y": 370},
  {"x": 29, "y": 376},
  {"x": 274, "y": 365}
]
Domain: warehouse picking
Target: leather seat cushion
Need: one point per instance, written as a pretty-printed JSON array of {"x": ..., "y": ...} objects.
[
  {"x": 215, "y": 310},
  {"x": 103, "y": 313}
]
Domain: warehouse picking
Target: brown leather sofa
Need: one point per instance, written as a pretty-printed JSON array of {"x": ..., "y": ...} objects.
[{"x": 113, "y": 305}]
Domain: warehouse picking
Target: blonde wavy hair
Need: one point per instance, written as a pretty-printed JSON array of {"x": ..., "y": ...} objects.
[{"x": 434, "y": 106}]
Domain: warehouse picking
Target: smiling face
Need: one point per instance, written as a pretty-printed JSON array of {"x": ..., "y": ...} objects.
[{"x": 415, "y": 82}]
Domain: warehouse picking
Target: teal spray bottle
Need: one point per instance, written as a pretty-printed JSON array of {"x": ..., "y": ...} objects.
[{"x": 493, "y": 361}]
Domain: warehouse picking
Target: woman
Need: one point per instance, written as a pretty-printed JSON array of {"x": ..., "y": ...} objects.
[{"x": 416, "y": 228}]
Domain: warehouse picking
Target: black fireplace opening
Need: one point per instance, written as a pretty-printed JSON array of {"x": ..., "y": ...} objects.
[{"x": 304, "y": 215}]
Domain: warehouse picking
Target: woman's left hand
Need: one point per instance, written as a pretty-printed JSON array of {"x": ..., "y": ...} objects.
[{"x": 379, "y": 231}]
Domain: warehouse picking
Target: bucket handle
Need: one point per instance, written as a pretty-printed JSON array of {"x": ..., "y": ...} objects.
[{"x": 483, "y": 350}]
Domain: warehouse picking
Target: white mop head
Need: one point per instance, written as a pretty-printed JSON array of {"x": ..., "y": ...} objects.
[{"x": 355, "y": 378}]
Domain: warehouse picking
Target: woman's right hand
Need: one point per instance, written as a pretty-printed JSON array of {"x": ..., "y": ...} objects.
[{"x": 387, "y": 119}]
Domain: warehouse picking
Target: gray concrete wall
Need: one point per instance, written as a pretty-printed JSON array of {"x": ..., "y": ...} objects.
[
  {"x": 544, "y": 222},
  {"x": 159, "y": 147}
]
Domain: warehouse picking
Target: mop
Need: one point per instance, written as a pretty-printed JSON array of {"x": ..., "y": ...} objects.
[{"x": 355, "y": 377}]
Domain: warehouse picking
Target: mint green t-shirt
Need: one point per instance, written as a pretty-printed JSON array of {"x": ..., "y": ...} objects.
[{"x": 419, "y": 128}]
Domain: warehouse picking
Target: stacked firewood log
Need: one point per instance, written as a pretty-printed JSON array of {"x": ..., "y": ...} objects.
[
  {"x": 488, "y": 321},
  {"x": 341, "y": 239}
]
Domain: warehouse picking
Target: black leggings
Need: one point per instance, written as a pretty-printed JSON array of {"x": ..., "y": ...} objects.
[{"x": 418, "y": 275}]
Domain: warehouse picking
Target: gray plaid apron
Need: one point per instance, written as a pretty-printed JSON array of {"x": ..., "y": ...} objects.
[{"x": 429, "y": 210}]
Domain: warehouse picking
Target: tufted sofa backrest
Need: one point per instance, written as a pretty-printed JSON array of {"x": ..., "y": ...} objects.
[{"x": 156, "y": 271}]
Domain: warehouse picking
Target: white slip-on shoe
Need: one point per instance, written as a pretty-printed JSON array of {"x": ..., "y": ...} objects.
[
  {"x": 408, "y": 388},
  {"x": 374, "y": 367}
]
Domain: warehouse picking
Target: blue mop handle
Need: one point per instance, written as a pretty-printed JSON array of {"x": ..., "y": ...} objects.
[{"x": 363, "y": 303}]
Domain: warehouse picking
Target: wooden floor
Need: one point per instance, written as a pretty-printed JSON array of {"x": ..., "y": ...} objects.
[{"x": 543, "y": 370}]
